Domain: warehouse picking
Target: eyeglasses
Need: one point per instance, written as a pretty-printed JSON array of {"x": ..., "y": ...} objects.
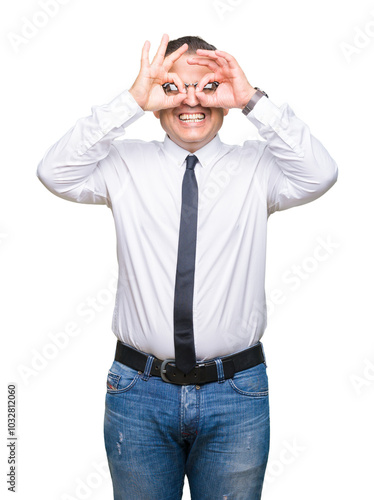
[{"x": 172, "y": 89}]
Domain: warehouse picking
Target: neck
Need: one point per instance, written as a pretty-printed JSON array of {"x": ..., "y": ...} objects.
[{"x": 191, "y": 147}]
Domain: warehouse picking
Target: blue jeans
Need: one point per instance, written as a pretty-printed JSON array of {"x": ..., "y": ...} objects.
[{"x": 156, "y": 433}]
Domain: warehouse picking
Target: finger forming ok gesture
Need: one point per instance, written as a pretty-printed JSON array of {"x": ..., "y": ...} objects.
[
  {"x": 234, "y": 90},
  {"x": 147, "y": 88}
]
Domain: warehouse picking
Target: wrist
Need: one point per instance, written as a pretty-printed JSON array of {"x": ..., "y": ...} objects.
[
  {"x": 256, "y": 96},
  {"x": 247, "y": 98},
  {"x": 138, "y": 97}
]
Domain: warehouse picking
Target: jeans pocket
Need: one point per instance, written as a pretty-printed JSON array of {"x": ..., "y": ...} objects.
[
  {"x": 120, "y": 378},
  {"x": 252, "y": 382}
]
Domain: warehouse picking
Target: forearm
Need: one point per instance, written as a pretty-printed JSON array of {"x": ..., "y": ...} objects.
[
  {"x": 303, "y": 168},
  {"x": 68, "y": 164}
]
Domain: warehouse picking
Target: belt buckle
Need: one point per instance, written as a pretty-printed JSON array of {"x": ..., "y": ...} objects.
[{"x": 163, "y": 371}]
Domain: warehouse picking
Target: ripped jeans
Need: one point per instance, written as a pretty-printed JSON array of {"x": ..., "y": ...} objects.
[{"x": 156, "y": 433}]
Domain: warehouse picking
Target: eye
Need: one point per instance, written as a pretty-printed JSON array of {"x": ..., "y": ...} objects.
[
  {"x": 170, "y": 88},
  {"x": 211, "y": 87}
]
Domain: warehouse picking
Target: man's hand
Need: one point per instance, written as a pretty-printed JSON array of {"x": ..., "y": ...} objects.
[
  {"x": 147, "y": 89},
  {"x": 234, "y": 90}
]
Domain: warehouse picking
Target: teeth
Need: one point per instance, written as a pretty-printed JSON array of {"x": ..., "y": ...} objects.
[{"x": 195, "y": 117}]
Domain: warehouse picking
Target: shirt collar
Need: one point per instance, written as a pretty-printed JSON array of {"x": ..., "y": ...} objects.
[{"x": 205, "y": 155}]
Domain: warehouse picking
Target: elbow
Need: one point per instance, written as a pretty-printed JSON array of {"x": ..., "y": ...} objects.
[
  {"x": 329, "y": 177},
  {"x": 45, "y": 176},
  {"x": 42, "y": 173},
  {"x": 322, "y": 167},
  {"x": 316, "y": 186}
]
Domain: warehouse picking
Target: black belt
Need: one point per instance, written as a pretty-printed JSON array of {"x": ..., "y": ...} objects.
[{"x": 202, "y": 373}]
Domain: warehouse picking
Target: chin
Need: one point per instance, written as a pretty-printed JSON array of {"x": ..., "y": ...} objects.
[
  {"x": 194, "y": 140},
  {"x": 195, "y": 135}
]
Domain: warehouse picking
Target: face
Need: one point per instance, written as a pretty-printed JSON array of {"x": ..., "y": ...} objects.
[{"x": 190, "y": 133}]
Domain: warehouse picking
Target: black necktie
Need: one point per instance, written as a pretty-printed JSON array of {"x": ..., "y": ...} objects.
[{"x": 185, "y": 357}]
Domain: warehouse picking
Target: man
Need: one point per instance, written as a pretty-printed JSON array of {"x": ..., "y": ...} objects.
[{"x": 187, "y": 392}]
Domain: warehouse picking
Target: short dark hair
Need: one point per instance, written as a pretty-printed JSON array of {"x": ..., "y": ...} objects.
[{"x": 194, "y": 43}]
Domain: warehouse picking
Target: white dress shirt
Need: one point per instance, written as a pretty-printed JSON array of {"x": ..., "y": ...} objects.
[{"x": 239, "y": 187}]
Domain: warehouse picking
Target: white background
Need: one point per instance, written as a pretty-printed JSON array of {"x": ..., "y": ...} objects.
[{"x": 55, "y": 255}]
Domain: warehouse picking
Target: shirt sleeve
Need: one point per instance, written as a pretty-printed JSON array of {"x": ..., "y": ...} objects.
[
  {"x": 72, "y": 167},
  {"x": 298, "y": 168}
]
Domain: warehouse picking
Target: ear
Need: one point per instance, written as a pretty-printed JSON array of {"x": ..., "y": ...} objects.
[
  {"x": 157, "y": 114},
  {"x": 225, "y": 111}
]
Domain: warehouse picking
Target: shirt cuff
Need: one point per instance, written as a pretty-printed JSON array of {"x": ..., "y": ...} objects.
[
  {"x": 264, "y": 111},
  {"x": 123, "y": 109},
  {"x": 270, "y": 119}
]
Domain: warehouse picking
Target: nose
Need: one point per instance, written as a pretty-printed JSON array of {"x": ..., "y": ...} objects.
[{"x": 191, "y": 99}]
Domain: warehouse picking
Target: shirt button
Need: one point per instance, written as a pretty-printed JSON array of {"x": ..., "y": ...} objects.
[{"x": 197, "y": 387}]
